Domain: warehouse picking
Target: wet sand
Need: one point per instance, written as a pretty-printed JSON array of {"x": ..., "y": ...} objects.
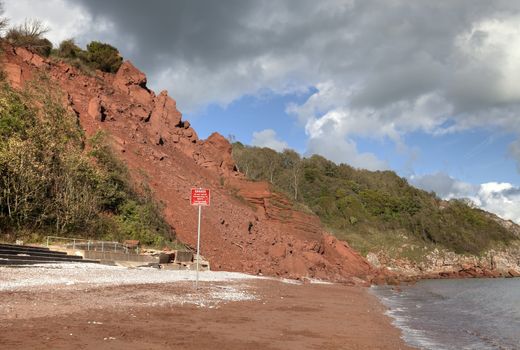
[{"x": 152, "y": 316}]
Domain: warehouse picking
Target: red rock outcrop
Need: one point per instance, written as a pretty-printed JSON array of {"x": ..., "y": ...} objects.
[
  {"x": 216, "y": 154},
  {"x": 163, "y": 118},
  {"x": 132, "y": 81},
  {"x": 247, "y": 227}
]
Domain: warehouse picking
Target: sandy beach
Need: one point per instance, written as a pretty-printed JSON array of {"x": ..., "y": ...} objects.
[{"x": 102, "y": 308}]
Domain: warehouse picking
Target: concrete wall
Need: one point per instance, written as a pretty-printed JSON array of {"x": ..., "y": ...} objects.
[{"x": 112, "y": 256}]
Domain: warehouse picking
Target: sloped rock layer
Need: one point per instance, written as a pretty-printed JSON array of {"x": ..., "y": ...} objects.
[{"x": 247, "y": 227}]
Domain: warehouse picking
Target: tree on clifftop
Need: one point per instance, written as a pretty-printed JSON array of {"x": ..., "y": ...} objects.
[{"x": 30, "y": 35}]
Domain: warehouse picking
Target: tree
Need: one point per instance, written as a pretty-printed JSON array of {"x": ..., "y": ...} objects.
[
  {"x": 292, "y": 162},
  {"x": 272, "y": 164},
  {"x": 30, "y": 35},
  {"x": 49, "y": 183},
  {"x": 373, "y": 209}
]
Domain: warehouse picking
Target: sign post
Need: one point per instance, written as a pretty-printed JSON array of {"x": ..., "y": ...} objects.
[{"x": 199, "y": 197}]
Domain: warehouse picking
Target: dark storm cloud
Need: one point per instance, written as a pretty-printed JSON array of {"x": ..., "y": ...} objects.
[
  {"x": 217, "y": 33},
  {"x": 395, "y": 50},
  {"x": 200, "y": 32}
]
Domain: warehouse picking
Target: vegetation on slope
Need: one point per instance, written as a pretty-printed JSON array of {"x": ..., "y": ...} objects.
[
  {"x": 31, "y": 35},
  {"x": 98, "y": 55},
  {"x": 372, "y": 210},
  {"x": 54, "y": 181}
]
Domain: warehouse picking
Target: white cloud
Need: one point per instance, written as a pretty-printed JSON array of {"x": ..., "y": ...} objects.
[
  {"x": 65, "y": 20},
  {"x": 488, "y": 54},
  {"x": 502, "y": 199},
  {"x": 331, "y": 129},
  {"x": 474, "y": 85},
  {"x": 342, "y": 150},
  {"x": 267, "y": 138}
]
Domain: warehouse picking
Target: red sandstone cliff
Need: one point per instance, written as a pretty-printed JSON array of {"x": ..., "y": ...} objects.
[{"x": 245, "y": 229}]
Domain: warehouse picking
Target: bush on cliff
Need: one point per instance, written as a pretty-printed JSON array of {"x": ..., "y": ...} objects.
[
  {"x": 97, "y": 56},
  {"x": 72, "y": 54},
  {"x": 68, "y": 49},
  {"x": 49, "y": 184},
  {"x": 137, "y": 215},
  {"x": 103, "y": 56}
]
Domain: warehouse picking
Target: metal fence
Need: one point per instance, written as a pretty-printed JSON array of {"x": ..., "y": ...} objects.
[{"x": 91, "y": 245}]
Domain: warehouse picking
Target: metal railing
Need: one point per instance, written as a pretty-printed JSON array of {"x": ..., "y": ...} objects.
[{"x": 91, "y": 245}]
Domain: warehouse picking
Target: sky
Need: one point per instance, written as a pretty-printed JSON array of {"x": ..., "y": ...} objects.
[{"x": 428, "y": 89}]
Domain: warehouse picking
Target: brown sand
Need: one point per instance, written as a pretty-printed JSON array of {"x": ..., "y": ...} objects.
[{"x": 284, "y": 316}]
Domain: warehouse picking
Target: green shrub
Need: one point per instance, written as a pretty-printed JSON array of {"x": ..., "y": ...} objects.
[
  {"x": 103, "y": 56},
  {"x": 72, "y": 54},
  {"x": 135, "y": 213},
  {"x": 97, "y": 56},
  {"x": 68, "y": 49}
]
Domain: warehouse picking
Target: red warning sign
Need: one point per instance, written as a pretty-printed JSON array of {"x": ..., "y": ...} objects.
[{"x": 200, "y": 196}]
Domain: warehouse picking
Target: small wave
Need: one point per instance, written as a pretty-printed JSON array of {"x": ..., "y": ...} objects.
[
  {"x": 495, "y": 343},
  {"x": 449, "y": 315},
  {"x": 418, "y": 338}
]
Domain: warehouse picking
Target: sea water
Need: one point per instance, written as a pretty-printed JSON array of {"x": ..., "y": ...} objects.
[{"x": 456, "y": 314}]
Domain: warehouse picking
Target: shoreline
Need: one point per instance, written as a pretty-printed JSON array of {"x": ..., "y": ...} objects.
[
  {"x": 234, "y": 314},
  {"x": 403, "y": 279}
]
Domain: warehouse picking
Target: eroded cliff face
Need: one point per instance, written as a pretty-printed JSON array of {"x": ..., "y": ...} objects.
[{"x": 246, "y": 228}]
